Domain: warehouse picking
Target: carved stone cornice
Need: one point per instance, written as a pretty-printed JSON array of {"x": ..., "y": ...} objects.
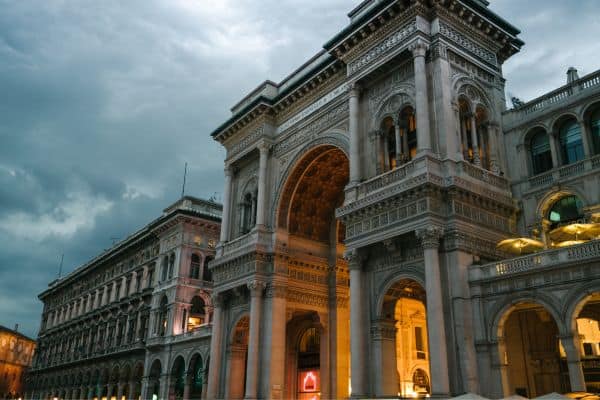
[
  {"x": 382, "y": 329},
  {"x": 276, "y": 290},
  {"x": 430, "y": 236}
]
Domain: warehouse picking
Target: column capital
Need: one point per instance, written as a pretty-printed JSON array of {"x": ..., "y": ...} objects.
[
  {"x": 256, "y": 287},
  {"x": 355, "y": 89},
  {"x": 418, "y": 48},
  {"x": 430, "y": 236},
  {"x": 278, "y": 290},
  {"x": 218, "y": 299},
  {"x": 383, "y": 329},
  {"x": 355, "y": 258},
  {"x": 264, "y": 147},
  {"x": 228, "y": 171}
]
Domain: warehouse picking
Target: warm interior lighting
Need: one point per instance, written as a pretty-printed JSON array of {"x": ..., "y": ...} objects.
[{"x": 195, "y": 322}]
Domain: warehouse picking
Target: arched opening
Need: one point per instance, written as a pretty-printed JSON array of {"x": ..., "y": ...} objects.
[
  {"x": 197, "y": 315},
  {"x": 586, "y": 329},
  {"x": 565, "y": 210},
  {"x": 237, "y": 355},
  {"x": 570, "y": 140},
  {"x": 177, "y": 381},
  {"x": 248, "y": 207},
  {"x": 154, "y": 380},
  {"x": 309, "y": 374},
  {"x": 540, "y": 153},
  {"x": 124, "y": 379},
  {"x": 483, "y": 136},
  {"x": 401, "y": 340},
  {"x": 137, "y": 376},
  {"x": 390, "y": 158},
  {"x": 313, "y": 239},
  {"x": 531, "y": 350},
  {"x": 163, "y": 316},
  {"x": 398, "y": 140},
  {"x": 196, "y": 377},
  {"x": 195, "y": 266}
]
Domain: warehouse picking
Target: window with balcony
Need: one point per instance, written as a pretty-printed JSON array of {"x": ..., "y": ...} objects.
[
  {"x": 541, "y": 156},
  {"x": 571, "y": 144}
]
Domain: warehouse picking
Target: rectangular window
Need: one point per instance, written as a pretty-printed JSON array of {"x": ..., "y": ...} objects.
[
  {"x": 587, "y": 349},
  {"x": 419, "y": 343}
]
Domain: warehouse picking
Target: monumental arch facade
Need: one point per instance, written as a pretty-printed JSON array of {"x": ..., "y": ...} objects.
[
  {"x": 364, "y": 198},
  {"x": 332, "y": 136}
]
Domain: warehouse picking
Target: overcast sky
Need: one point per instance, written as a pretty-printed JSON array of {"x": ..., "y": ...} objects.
[{"x": 102, "y": 102}]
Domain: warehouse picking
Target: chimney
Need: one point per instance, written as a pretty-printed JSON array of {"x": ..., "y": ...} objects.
[
  {"x": 572, "y": 75},
  {"x": 16, "y": 327}
]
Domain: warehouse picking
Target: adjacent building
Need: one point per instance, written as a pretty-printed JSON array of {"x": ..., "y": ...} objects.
[
  {"x": 110, "y": 327},
  {"x": 16, "y": 352}
]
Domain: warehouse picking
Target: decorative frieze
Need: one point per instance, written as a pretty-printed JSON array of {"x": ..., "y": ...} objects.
[
  {"x": 468, "y": 44},
  {"x": 317, "y": 105},
  {"x": 312, "y": 130},
  {"x": 386, "y": 45},
  {"x": 246, "y": 141},
  {"x": 307, "y": 298},
  {"x": 460, "y": 65}
]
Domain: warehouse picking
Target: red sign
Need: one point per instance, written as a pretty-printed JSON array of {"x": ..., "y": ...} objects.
[{"x": 309, "y": 381}]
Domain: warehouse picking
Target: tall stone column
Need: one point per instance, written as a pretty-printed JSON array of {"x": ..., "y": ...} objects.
[
  {"x": 474, "y": 139},
  {"x": 226, "y": 206},
  {"x": 436, "y": 331},
  {"x": 216, "y": 347},
  {"x": 419, "y": 49},
  {"x": 358, "y": 342},
  {"x": 256, "y": 293},
  {"x": 354, "y": 127},
  {"x": 187, "y": 385},
  {"x": 275, "y": 339},
  {"x": 120, "y": 387},
  {"x": 261, "y": 200},
  {"x": 554, "y": 149},
  {"x": 131, "y": 392},
  {"x": 499, "y": 369},
  {"x": 383, "y": 333},
  {"x": 571, "y": 344}
]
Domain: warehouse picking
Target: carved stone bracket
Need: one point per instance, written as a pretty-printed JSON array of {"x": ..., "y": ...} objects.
[
  {"x": 418, "y": 48},
  {"x": 430, "y": 236}
]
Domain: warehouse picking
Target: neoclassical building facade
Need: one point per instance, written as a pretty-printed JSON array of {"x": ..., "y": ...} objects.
[
  {"x": 135, "y": 321},
  {"x": 365, "y": 198}
]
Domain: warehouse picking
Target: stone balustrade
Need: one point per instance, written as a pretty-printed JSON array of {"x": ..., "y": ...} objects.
[
  {"x": 557, "y": 96},
  {"x": 533, "y": 262},
  {"x": 557, "y": 174}
]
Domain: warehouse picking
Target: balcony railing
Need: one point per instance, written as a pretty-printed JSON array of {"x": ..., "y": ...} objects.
[
  {"x": 555, "y": 175},
  {"x": 556, "y": 96},
  {"x": 533, "y": 262}
]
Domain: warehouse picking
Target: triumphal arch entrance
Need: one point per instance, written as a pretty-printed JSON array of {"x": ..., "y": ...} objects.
[{"x": 358, "y": 192}]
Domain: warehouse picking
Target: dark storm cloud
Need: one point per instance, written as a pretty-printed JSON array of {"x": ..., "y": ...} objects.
[{"x": 102, "y": 102}]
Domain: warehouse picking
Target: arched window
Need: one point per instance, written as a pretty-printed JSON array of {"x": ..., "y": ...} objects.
[
  {"x": 571, "y": 145},
  {"x": 171, "y": 265},
  {"x": 248, "y": 211},
  {"x": 595, "y": 128},
  {"x": 568, "y": 209},
  {"x": 206, "y": 274},
  {"x": 541, "y": 157},
  {"x": 197, "y": 315},
  {"x": 164, "y": 268},
  {"x": 162, "y": 316},
  {"x": 408, "y": 130},
  {"x": 195, "y": 267}
]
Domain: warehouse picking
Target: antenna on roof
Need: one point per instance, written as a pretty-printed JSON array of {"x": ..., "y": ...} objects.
[
  {"x": 62, "y": 257},
  {"x": 184, "y": 176}
]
